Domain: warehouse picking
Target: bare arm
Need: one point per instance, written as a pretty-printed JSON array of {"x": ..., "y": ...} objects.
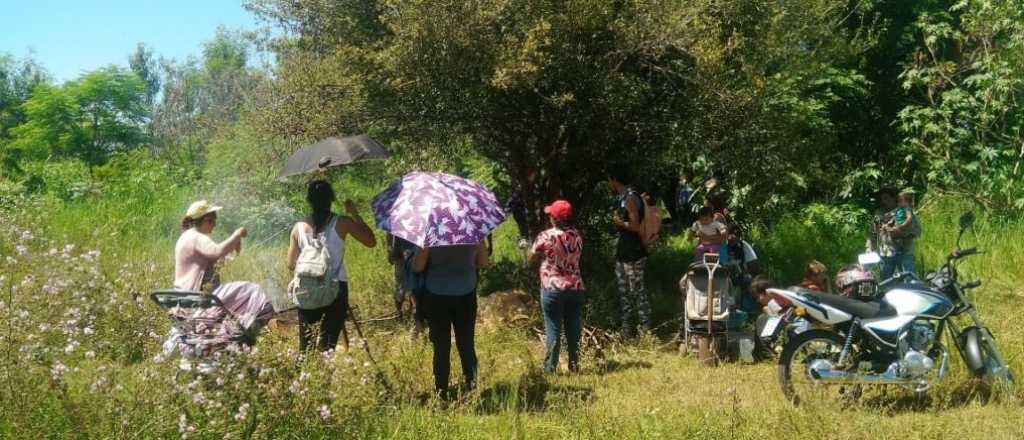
[
  {"x": 902, "y": 228},
  {"x": 293, "y": 248},
  {"x": 721, "y": 237},
  {"x": 355, "y": 226},
  {"x": 215, "y": 251},
  {"x": 534, "y": 254},
  {"x": 358, "y": 230},
  {"x": 482, "y": 259},
  {"x": 420, "y": 259},
  {"x": 633, "y": 212}
]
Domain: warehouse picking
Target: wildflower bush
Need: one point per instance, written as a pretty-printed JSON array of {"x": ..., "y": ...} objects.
[{"x": 82, "y": 356}]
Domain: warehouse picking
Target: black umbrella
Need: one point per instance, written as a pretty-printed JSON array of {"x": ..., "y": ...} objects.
[{"x": 332, "y": 152}]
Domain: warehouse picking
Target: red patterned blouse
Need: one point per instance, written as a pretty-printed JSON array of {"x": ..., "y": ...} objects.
[{"x": 560, "y": 264}]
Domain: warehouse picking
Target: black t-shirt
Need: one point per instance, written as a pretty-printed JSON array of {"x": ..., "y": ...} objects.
[{"x": 630, "y": 246}]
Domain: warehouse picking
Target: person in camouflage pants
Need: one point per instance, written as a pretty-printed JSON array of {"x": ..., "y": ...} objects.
[
  {"x": 632, "y": 296},
  {"x": 630, "y": 252}
]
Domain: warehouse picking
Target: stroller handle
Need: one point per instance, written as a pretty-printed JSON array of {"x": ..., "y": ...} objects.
[{"x": 712, "y": 260}]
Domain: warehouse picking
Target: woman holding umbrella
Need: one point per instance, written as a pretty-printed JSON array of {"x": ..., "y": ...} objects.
[
  {"x": 327, "y": 304},
  {"x": 323, "y": 299},
  {"x": 448, "y": 218},
  {"x": 450, "y": 304}
]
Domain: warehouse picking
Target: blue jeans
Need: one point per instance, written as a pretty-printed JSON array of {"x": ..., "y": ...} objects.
[
  {"x": 899, "y": 263},
  {"x": 563, "y": 310}
]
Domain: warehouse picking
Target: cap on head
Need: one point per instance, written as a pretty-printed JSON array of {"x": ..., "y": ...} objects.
[
  {"x": 560, "y": 210},
  {"x": 201, "y": 208}
]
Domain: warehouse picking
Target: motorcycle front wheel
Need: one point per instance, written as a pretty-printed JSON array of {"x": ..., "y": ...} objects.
[
  {"x": 977, "y": 347},
  {"x": 795, "y": 368},
  {"x": 995, "y": 372}
]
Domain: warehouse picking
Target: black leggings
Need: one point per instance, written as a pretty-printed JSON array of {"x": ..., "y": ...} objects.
[
  {"x": 445, "y": 313},
  {"x": 331, "y": 319}
]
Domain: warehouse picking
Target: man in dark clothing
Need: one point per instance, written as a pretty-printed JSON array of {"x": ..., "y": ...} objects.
[
  {"x": 630, "y": 252},
  {"x": 517, "y": 208},
  {"x": 896, "y": 247},
  {"x": 400, "y": 253}
]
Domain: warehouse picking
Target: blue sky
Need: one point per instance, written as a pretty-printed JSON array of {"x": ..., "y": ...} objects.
[{"x": 72, "y": 36}]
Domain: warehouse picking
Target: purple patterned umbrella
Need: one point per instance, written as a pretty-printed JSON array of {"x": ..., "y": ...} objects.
[{"x": 437, "y": 209}]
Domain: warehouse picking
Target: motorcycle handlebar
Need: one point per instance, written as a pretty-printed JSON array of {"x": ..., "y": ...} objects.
[
  {"x": 957, "y": 254},
  {"x": 972, "y": 285}
]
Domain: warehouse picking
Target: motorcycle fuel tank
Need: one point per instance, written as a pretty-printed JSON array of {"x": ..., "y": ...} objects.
[{"x": 918, "y": 303}]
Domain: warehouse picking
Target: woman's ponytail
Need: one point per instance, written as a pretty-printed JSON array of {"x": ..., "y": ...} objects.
[{"x": 320, "y": 196}]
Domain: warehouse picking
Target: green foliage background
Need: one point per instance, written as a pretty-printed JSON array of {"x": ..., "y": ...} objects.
[{"x": 800, "y": 108}]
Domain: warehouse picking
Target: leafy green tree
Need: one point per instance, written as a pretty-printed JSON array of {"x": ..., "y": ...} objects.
[
  {"x": 965, "y": 130},
  {"x": 227, "y": 77},
  {"x": 100, "y": 113},
  {"x": 17, "y": 79},
  {"x": 554, "y": 91},
  {"x": 143, "y": 63},
  {"x": 202, "y": 95}
]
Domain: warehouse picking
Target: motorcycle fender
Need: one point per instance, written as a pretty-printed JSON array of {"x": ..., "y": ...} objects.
[
  {"x": 824, "y": 313},
  {"x": 799, "y": 325},
  {"x": 970, "y": 347},
  {"x": 819, "y": 312}
]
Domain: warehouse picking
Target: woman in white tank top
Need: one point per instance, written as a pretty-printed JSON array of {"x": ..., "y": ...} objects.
[{"x": 335, "y": 229}]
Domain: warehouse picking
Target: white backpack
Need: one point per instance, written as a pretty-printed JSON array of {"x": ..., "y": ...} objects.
[
  {"x": 314, "y": 257},
  {"x": 310, "y": 287}
]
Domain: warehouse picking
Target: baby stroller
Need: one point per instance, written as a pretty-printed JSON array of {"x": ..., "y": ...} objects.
[
  {"x": 707, "y": 290},
  {"x": 205, "y": 324}
]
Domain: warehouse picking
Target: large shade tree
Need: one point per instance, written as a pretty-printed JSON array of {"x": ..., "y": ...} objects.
[{"x": 555, "y": 91}]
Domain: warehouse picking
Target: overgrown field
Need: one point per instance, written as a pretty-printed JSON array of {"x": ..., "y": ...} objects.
[{"x": 80, "y": 344}]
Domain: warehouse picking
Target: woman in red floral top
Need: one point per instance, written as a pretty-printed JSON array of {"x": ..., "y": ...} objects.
[{"x": 558, "y": 251}]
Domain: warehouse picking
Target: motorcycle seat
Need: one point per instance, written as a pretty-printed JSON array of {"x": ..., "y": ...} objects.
[{"x": 860, "y": 309}]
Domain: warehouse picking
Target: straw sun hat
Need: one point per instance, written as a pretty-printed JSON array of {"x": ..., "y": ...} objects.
[{"x": 198, "y": 209}]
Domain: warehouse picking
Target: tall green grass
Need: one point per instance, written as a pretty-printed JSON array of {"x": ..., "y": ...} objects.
[{"x": 637, "y": 390}]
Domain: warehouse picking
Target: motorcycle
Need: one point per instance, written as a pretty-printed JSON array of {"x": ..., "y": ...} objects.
[
  {"x": 854, "y": 281},
  {"x": 895, "y": 340}
]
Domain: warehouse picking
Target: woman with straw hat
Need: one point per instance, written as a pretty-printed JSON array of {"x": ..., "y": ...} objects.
[
  {"x": 196, "y": 254},
  {"x": 195, "y": 265}
]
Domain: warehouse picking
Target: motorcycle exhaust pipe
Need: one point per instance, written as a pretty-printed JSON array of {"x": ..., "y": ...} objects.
[
  {"x": 822, "y": 370},
  {"x": 842, "y": 377}
]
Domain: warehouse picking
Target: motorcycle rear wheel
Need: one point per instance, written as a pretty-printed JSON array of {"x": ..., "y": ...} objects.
[{"x": 794, "y": 368}]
